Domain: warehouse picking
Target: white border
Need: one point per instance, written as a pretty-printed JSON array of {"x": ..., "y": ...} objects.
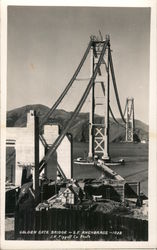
[
  {"x": 101, "y": 3},
  {"x": 152, "y": 243}
]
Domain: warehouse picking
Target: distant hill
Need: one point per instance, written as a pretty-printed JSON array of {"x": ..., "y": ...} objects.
[{"x": 79, "y": 129}]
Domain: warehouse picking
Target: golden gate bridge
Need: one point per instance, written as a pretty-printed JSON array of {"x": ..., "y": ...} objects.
[
  {"x": 102, "y": 70},
  {"x": 102, "y": 74}
]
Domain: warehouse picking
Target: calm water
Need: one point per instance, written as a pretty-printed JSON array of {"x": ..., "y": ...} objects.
[{"x": 135, "y": 168}]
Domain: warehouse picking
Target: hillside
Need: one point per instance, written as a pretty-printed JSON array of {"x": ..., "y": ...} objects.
[{"x": 79, "y": 129}]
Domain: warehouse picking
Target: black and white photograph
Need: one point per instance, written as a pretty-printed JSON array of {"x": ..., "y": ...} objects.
[{"x": 78, "y": 108}]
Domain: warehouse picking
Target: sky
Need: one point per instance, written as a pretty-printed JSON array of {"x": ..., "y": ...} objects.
[{"x": 46, "y": 44}]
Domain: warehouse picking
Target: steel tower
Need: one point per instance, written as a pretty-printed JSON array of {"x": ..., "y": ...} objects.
[
  {"x": 99, "y": 131},
  {"x": 130, "y": 120}
]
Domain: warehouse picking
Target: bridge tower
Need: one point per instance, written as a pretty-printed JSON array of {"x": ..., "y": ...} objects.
[
  {"x": 99, "y": 129},
  {"x": 130, "y": 120}
]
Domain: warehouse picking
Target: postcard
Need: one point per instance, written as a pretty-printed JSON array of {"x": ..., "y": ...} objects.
[{"x": 78, "y": 124}]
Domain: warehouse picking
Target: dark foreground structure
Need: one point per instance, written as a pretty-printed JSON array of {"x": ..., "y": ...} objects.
[{"x": 72, "y": 224}]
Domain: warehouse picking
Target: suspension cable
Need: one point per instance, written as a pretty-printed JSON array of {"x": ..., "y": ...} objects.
[
  {"x": 103, "y": 89},
  {"x": 115, "y": 86},
  {"x": 111, "y": 112},
  {"x": 125, "y": 107},
  {"x": 76, "y": 111},
  {"x": 67, "y": 87}
]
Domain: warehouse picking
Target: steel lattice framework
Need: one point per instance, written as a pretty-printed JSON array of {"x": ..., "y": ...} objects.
[{"x": 99, "y": 140}]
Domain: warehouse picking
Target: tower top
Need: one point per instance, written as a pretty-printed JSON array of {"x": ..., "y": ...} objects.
[
  {"x": 107, "y": 37},
  {"x": 100, "y": 39}
]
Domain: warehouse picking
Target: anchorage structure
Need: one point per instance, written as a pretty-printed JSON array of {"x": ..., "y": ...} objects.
[{"x": 130, "y": 120}]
